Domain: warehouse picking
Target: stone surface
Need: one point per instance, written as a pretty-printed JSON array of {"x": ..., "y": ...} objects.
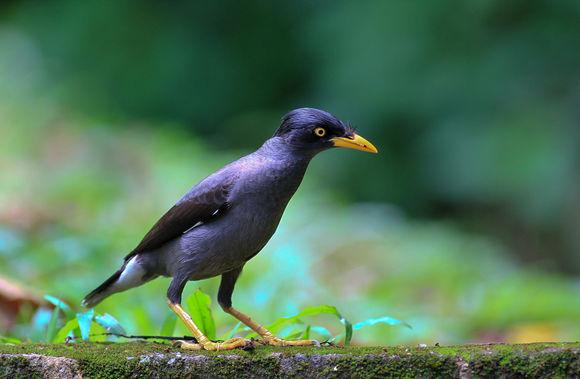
[{"x": 154, "y": 360}]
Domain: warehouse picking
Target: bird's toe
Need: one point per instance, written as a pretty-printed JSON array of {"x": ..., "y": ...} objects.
[
  {"x": 187, "y": 345},
  {"x": 275, "y": 341},
  {"x": 233, "y": 343},
  {"x": 243, "y": 342}
]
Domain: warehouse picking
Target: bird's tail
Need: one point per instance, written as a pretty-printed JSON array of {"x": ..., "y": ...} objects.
[
  {"x": 131, "y": 274},
  {"x": 101, "y": 292}
]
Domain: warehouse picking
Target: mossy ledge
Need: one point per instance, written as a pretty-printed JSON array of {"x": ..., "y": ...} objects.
[{"x": 154, "y": 360}]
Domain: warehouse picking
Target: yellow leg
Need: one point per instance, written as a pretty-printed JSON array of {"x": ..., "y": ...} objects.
[
  {"x": 203, "y": 341},
  {"x": 267, "y": 336}
]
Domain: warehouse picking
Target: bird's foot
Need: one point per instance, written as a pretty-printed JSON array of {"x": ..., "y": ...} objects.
[
  {"x": 275, "y": 341},
  {"x": 187, "y": 345},
  {"x": 234, "y": 343}
]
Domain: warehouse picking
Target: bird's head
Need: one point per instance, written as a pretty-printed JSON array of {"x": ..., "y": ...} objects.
[{"x": 314, "y": 130}]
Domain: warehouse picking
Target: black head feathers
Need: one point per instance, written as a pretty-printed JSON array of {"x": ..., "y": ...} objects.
[{"x": 303, "y": 118}]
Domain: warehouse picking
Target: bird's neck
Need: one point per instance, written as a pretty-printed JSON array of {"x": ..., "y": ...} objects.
[
  {"x": 280, "y": 149},
  {"x": 282, "y": 172}
]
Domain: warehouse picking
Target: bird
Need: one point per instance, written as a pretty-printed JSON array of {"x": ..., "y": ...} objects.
[{"x": 227, "y": 218}]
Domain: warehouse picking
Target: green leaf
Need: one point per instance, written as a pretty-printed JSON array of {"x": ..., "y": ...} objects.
[
  {"x": 52, "y": 325},
  {"x": 322, "y": 331},
  {"x": 61, "y": 305},
  {"x": 98, "y": 333},
  {"x": 110, "y": 324},
  {"x": 11, "y": 340},
  {"x": 41, "y": 318},
  {"x": 169, "y": 323},
  {"x": 85, "y": 320},
  {"x": 232, "y": 332},
  {"x": 313, "y": 311},
  {"x": 306, "y": 334},
  {"x": 380, "y": 320},
  {"x": 199, "y": 309},
  {"x": 374, "y": 321},
  {"x": 66, "y": 330},
  {"x": 294, "y": 334},
  {"x": 329, "y": 309}
]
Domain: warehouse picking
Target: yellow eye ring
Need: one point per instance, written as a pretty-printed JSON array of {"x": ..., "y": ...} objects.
[{"x": 320, "y": 132}]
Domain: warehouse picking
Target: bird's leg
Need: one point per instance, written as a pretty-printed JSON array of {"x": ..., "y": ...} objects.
[
  {"x": 203, "y": 341},
  {"x": 174, "y": 301},
  {"x": 267, "y": 337},
  {"x": 225, "y": 300}
]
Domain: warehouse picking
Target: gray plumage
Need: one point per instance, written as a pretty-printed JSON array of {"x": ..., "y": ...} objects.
[{"x": 228, "y": 217}]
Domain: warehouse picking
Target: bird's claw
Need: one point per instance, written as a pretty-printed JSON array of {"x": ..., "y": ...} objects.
[
  {"x": 234, "y": 343},
  {"x": 275, "y": 341},
  {"x": 187, "y": 345}
]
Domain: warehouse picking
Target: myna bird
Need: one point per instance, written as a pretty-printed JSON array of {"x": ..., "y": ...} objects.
[{"x": 226, "y": 219}]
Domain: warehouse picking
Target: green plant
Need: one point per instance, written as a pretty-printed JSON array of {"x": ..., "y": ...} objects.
[
  {"x": 79, "y": 324},
  {"x": 91, "y": 326}
]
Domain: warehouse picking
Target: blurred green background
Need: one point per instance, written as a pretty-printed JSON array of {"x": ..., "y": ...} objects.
[{"x": 466, "y": 225}]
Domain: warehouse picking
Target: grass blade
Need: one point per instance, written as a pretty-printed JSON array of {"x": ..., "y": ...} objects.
[
  {"x": 374, "y": 321},
  {"x": 169, "y": 323},
  {"x": 51, "y": 327},
  {"x": 110, "y": 324},
  {"x": 233, "y": 332},
  {"x": 199, "y": 305},
  {"x": 293, "y": 334},
  {"x": 277, "y": 325},
  {"x": 64, "y": 307},
  {"x": 306, "y": 334},
  {"x": 85, "y": 320},
  {"x": 380, "y": 320},
  {"x": 66, "y": 330},
  {"x": 323, "y": 332},
  {"x": 10, "y": 340}
]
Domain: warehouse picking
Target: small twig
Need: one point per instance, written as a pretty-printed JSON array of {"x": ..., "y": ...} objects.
[{"x": 184, "y": 338}]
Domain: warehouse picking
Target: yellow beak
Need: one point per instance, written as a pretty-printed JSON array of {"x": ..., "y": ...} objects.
[{"x": 355, "y": 142}]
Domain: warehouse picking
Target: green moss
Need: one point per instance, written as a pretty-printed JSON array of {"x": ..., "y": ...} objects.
[
  {"x": 109, "y": 360},
  {"x": 17, "y": 367}
]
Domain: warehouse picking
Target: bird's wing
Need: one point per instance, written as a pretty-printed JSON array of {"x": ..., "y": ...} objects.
[{"x": 200, "y": 204}]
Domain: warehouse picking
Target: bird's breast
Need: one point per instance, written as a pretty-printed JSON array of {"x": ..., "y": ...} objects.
[{"x": 256, "y": 206}]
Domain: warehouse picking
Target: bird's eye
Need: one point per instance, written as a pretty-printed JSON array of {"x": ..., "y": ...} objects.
[{"x": 320, "y": 132}]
